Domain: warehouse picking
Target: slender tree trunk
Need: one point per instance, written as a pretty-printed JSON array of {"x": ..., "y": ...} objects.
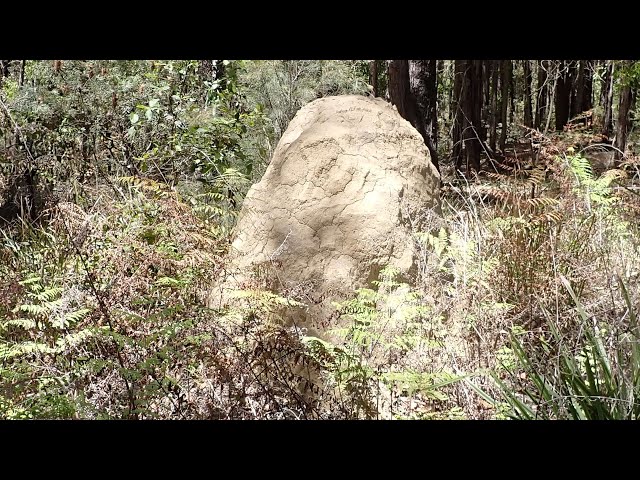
[
  {"x": 441, "y": 71},
  {"x": 603, "y": 66},
  {"x": 505, "y": 73},
  {"x": 573, "y": 76},
  {"x": 551, "y": 96},
  {"x": 541, "y": 95},
  {"x": 451, "y": 68},
  {"x": 424, "y": 89},
  {"x": 588, "y": 86},
  {"x": 474, "y": 113},
  {"x": 412, "y": 89},
  {"x": 622, "y": 126},
  {"x": 398, "y": 85},
  {"x": 512, "y": 93},
  {"x": 632, "y": 118},
  {"x": 563, "y": 94},
  {"x": 458, "y": 117},
  {"x": 205, "y": 70},
  {"x": 486, "y": 97},
  {"x": 220, "y": 72},
  {"x": 606, "y": 98},
  {"x": 468, "y": 101},
  {"x": 23, "y": 64},
  {"x": 4, "y": 67},
  {"x": 487, "y": 68},
  {"x": 373, "y": 77},
  {"x": 528, "y": 110},
  {"x": 4, "y": 70},
  {"x": 580, "y": 90},
  {"x": 494, "y": 104}
]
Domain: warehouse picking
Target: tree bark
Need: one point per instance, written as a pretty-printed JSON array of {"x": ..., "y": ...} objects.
[
  {"x": 424, "y": 89},
  {"x": 551, "y": 94},
  {"x": 632, "y": 118},
  {"x": 563, "y": 94},
  {"x": 486, "y": 98},
  {"x": 494, "y": 104},
  {"x": 606, "y": 99},
  {"x": 528, "y": 111},
  {"x": 583, "y": 88},
  {"x": 220, "y": 73},
  {"x": 398, "y": 85},
  {"x": 622, "y": 126},
  {"x": 541, "y": 95},
  {"x": 487, "y": 68},
  {"x": 580, "y": 90},
  {"x": 373, "y": 77},
  {"x": 440, "y": 82},
  {"x": 413, "y": 90},
  {"x": 205, "y": 70},
  {"x": 23, "y": 64},
  {"x": 573, "y": 76},
  {"x": 4, "y": 69},
  {"x": 474, "y": 114},
  {"x": 456, "y": 109},
  {"x": 512, "y": 93},
  {"x": 505, "y": 74},
  {"x": 468, "y": 101},
  {"x": 588, "y": 86},
  {"x": 451, "y": 67}
]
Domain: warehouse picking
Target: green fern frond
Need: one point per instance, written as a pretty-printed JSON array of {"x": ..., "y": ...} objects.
[
  {"x": 581, "y": 168},
  {"x": 429, "y": 384},
  {"x": 35, "y": 310},
  {"x": 31, "y": 281},
  {"x": 78, "y": 315},
  {"x": 610, "y": 175},
  {"x": 75, "y": 339},
  {"x": 169, "y": 282},
  {"x": 265, "y": 298},
  {"x": 209, "y": 197},
  {"x": 26, "y": 348},
  {"x": 209, "y": 210},
  {"x": 48, "y": 294},
  {"x": 23, "y": 323},
  {"x": 53, "y": 305}
]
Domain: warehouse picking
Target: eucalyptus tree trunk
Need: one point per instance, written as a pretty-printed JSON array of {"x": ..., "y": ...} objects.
[
  {"x": 541, "y": 94},
  {"x": 23, "y": 64},
  {"x": 528, "y": 111},
  {"x": 4, "y": 69},
  {"x": 606, "y": 99},
  {"x": 588, "y": 86},
  {"x": 505, "y": 76},
  {"x": 563, "y": 95},
  {"x": 424, "y": 88},
  {"x": 622, "y": 126},
  {"x": 373, "y": 77},
  {"x": 467, "y": 124},
  {"x": 494, "y": 105},
  {"x": 456, "y": 109},
  {"x": 581, "y": 89},
  {"x": 413, "y": 90}
]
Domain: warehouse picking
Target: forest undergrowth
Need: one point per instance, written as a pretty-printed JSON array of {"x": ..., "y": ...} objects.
[{"x": 525, "y": 304}]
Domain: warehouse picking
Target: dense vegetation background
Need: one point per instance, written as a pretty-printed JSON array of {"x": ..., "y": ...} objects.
[{"x": 121, "y": 182}]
